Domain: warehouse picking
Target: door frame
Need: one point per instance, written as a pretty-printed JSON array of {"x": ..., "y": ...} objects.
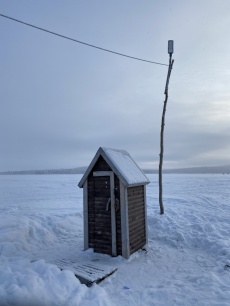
[{"x": 113, "y": 211}]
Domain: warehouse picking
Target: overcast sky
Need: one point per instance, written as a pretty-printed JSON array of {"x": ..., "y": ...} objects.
[{"x": 61, "y": 101}]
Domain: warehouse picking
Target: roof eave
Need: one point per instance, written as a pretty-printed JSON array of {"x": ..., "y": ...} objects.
[{"x": 138, "y": 184}]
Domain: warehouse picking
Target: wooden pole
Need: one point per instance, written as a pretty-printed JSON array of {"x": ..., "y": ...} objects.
[{"x": 162, "y": 135}]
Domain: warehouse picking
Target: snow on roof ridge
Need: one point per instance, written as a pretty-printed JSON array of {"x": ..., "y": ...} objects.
[
  {"x": 126, "y": 166},
  {"x": 116, "y": 150}
]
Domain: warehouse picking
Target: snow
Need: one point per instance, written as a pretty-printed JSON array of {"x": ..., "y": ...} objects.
[
  {"x": 126, "y": 166},
  {"x": 122, "y": 165},
  {"x": 41, "y": 220}
]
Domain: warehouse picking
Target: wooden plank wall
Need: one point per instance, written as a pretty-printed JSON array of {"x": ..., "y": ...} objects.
[
  {"x": 101, "y": 165},
  {"x": 91, "y": 215},
  {"x": 136, "y": 215},
  {"x": 102, "y": 217},
  {"x": 118, "y": 214},
  {"x": 99, "y": 220}
]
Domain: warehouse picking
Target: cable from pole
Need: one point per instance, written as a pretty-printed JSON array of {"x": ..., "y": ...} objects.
[{"x": 81, "y": 42}]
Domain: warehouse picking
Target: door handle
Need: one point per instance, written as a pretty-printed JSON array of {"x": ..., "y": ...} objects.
[{"x": 107, "y": 205}]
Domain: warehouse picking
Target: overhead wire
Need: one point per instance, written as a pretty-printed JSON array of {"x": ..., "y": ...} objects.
[{"x": 81, "y": 42}]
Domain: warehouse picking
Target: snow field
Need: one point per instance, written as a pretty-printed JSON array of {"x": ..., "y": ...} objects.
[{"x": 185, "y": 263}]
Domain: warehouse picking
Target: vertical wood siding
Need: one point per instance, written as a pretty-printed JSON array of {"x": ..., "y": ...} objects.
[{"x": 136, "y": 215}]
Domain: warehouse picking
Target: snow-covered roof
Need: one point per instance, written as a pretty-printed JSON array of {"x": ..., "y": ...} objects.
[{"x": 121, "y": 164}]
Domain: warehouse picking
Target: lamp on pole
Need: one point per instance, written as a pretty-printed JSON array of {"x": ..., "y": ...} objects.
[{"x": 170, "y": 52}]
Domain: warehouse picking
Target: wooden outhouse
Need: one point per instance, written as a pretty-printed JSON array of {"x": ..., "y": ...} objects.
[{"x": 114, "y": 196}]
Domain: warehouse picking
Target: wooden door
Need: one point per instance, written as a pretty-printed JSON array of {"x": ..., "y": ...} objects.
[{"x": 104, "y": 212}]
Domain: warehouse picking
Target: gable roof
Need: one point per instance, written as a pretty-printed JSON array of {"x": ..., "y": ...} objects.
[{"x": 121, "y": 164}]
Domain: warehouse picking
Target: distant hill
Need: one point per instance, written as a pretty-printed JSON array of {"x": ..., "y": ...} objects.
[
  {"x": 81, "y": 170},
  {"x": 195, "y": 170}
]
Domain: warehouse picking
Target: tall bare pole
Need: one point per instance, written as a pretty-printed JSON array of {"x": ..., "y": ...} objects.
[{"x": 170, "y": 51}]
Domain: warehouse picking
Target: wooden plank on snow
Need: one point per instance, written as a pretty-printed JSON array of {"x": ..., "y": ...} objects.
[{"x": 86, "y": 271}]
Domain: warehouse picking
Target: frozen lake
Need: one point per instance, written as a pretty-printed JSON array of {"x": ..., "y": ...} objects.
[{"x": 47, "y": 193}]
